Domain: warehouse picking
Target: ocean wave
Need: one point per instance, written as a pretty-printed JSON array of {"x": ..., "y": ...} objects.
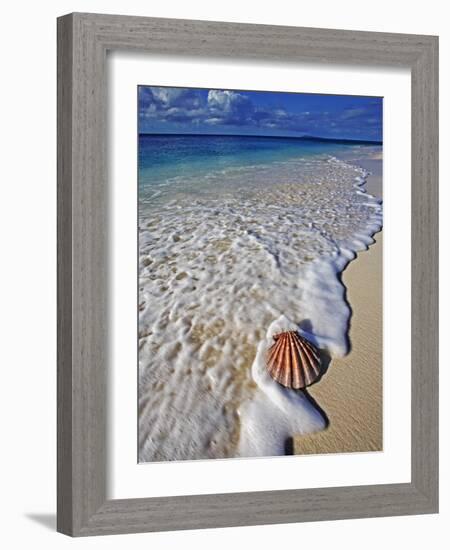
[{"x": 222, "y": 261}]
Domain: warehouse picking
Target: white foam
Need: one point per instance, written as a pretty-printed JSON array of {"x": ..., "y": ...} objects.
[
  {"x": 274, "y": 413},
  {"x": 224, "y": 260}
]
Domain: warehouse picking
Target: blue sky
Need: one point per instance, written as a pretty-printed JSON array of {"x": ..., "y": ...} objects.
[{"x": 200, "y": 111}]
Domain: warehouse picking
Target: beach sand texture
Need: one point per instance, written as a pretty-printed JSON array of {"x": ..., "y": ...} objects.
[{"x": 350, "y": 391}]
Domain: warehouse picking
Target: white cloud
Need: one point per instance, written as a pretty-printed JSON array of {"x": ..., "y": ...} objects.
[
  {"x": 167, "y": 95},
  {"x": 222, "y": 99}
]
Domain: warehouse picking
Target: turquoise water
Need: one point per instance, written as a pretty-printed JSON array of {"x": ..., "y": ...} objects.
[{"x": 179, "y": 162}]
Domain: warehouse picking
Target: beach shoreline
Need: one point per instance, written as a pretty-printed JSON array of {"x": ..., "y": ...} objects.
[
  {"x": 351, "y": 389},
  {"x": 259, "y": 240}
]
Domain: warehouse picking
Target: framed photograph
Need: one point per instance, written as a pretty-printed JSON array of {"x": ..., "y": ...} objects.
[{"x": 247, "y": 274}]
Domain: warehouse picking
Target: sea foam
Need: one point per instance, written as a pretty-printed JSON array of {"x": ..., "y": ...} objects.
[{"x": 226, "y": 260}]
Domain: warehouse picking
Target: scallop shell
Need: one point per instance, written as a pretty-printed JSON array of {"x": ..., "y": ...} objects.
[{"x": 293, "y": 361}]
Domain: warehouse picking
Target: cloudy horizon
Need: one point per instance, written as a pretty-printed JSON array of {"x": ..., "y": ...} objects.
[{"x": 214, "y": 111}]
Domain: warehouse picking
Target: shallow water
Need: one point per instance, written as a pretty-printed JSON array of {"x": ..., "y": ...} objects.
[{"x": 227, "y": 257}]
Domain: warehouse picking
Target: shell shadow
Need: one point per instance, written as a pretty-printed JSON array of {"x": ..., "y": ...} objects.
[
  {"x": 316, "y": 405},
  {"x": 289, "y": 446},
  {"x": 307, "y": 329}
]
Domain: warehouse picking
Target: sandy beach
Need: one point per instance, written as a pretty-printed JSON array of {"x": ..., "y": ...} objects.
[
  {"x": 350, "y": 391},
  {"x": 230, "y": 257}
]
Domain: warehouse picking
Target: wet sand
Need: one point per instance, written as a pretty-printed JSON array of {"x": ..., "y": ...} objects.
[{"x": 350, "y": 392}]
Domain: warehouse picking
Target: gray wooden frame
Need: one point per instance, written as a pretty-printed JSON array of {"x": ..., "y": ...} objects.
[{"x": 83, "y": 40}]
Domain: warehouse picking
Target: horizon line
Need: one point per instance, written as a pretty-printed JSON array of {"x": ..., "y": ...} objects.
[{"x": 304, "y": 137}]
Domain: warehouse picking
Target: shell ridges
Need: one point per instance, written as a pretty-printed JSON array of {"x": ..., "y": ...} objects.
[{"x": 293, "y": 361}]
